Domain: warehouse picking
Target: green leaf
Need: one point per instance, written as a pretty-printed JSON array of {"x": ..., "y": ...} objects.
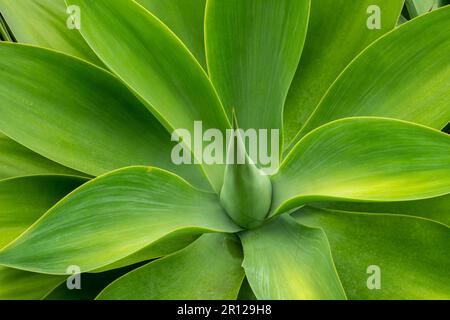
[
  {"x": 148, "y": 57},
  {"x": 285, "y": 260},
  {"x": 114, "y": 216},
  {"x": 210, "y": 268},
  {"x": 412, "y": 253},
  {"x": 44, "y": 23},
  {"x": 402, "y": 75},
  {"x": 16, "y": 160},
  {"x": 186, "y": 19},
  {"x": 253, "y": 48},
  {"x": 337, "y": 32},
  {"x": 22, "y": 285},
  {"x": 23, "y": 200},
  {"x": 436, "y": 209},
  {"x": 91, "y": 285},
  {"x": 160, "y": 248},
  {"x": 63, "y": 118},
  {"x": 364, "y": 159},
  {"x": 246, "y": 192}
]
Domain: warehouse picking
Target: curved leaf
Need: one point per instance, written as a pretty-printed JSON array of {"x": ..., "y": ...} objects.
[
  {"x": 16, "y": 160},
  {"x": 23, "y": 285},
  {"x": 402, "y": 75},
  {"x": 364, "y": 159},
  {"x": 63, "y": 118},
  {"x": 210, "y": 268},
  {"x": 114, "y": 216},
  {"x": 23, "y": 200},
  {"x": 253, "y": 49},
  {"x": 166, "y": 245},
  {"x": 91, "y": 285},
  {"x": 44, "y": 23},
  {"x": 285, "y": 260},
  {"x": 437, "y": 209},
  {"x": 186, "y": 19},
  {"x": 337, "y": 32},
  {"x": 411, "y": 253},
  {"x": 150, "y": 59}
]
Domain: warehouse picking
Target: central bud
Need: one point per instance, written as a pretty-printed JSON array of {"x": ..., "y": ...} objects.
[{"x": 246, "y": 193}]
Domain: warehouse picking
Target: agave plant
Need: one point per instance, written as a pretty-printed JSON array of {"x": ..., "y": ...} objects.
[{"x": 92, "y": 91}]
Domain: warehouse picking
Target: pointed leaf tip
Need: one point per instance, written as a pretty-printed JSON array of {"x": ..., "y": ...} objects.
[{"x": 246, "y": 194}]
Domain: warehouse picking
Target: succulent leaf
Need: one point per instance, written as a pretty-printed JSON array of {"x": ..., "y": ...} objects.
[
  {"x": 411, "y": 253},
  {"x": 246, "y": 193},
  {"x": 285, "y": 260},
  {"x": 210, "y": 268}
]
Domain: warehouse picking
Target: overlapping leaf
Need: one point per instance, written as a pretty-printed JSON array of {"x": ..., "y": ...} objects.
[
  {"x": 285, "y": 260},
  {"x": 338, "y": 30},
  {"x": 186, "y": 19},
  {"x": 23, "y": 200},
  {"x": 79, "y": 115},
  {"x": 45, "y": 23},
  {"x": 210, "y": 268},
  {"x": 114, "y": 216},
  {"x": 403, "y": 75},
  {"x": 16, "y": 160},
  {"x": 91, "y": 285},
  {"x": 436, "y": 209},
  {"x": 23, "y": 285},
  {"x": 364, "y": 159},
  {"x": 151, "y": 60},
  {"x": 253, "y": 49},
  {"x": 408, "y": 255}
]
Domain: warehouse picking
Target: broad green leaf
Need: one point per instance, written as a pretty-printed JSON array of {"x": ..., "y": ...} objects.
[
  {"x": 210, "y": 268},
  {"x": 79, "y": 115},
  {"x": 91, "y": 285},
  {"x": 437, "y": 209},
  {"x": 150, "y": 59},
  {"x": 411, "y": 253},
  {"x": 403, "y": 75},
  {"x": 16, "y": 160},
  {"x": 44, "y": 23},
  {"x": 23, "y": 285},
  {"x": 364, "y": 159},
  {"x": 23, "y": 200},
  {"x": 253, "y": 48},
  {"x": 113, "y": 216},
  {"x": 338, "y": 30},
  {"x": 186, "y": 19},
  {"x": 285, "y": 260},
  {"x": 164, "y": 246}
]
